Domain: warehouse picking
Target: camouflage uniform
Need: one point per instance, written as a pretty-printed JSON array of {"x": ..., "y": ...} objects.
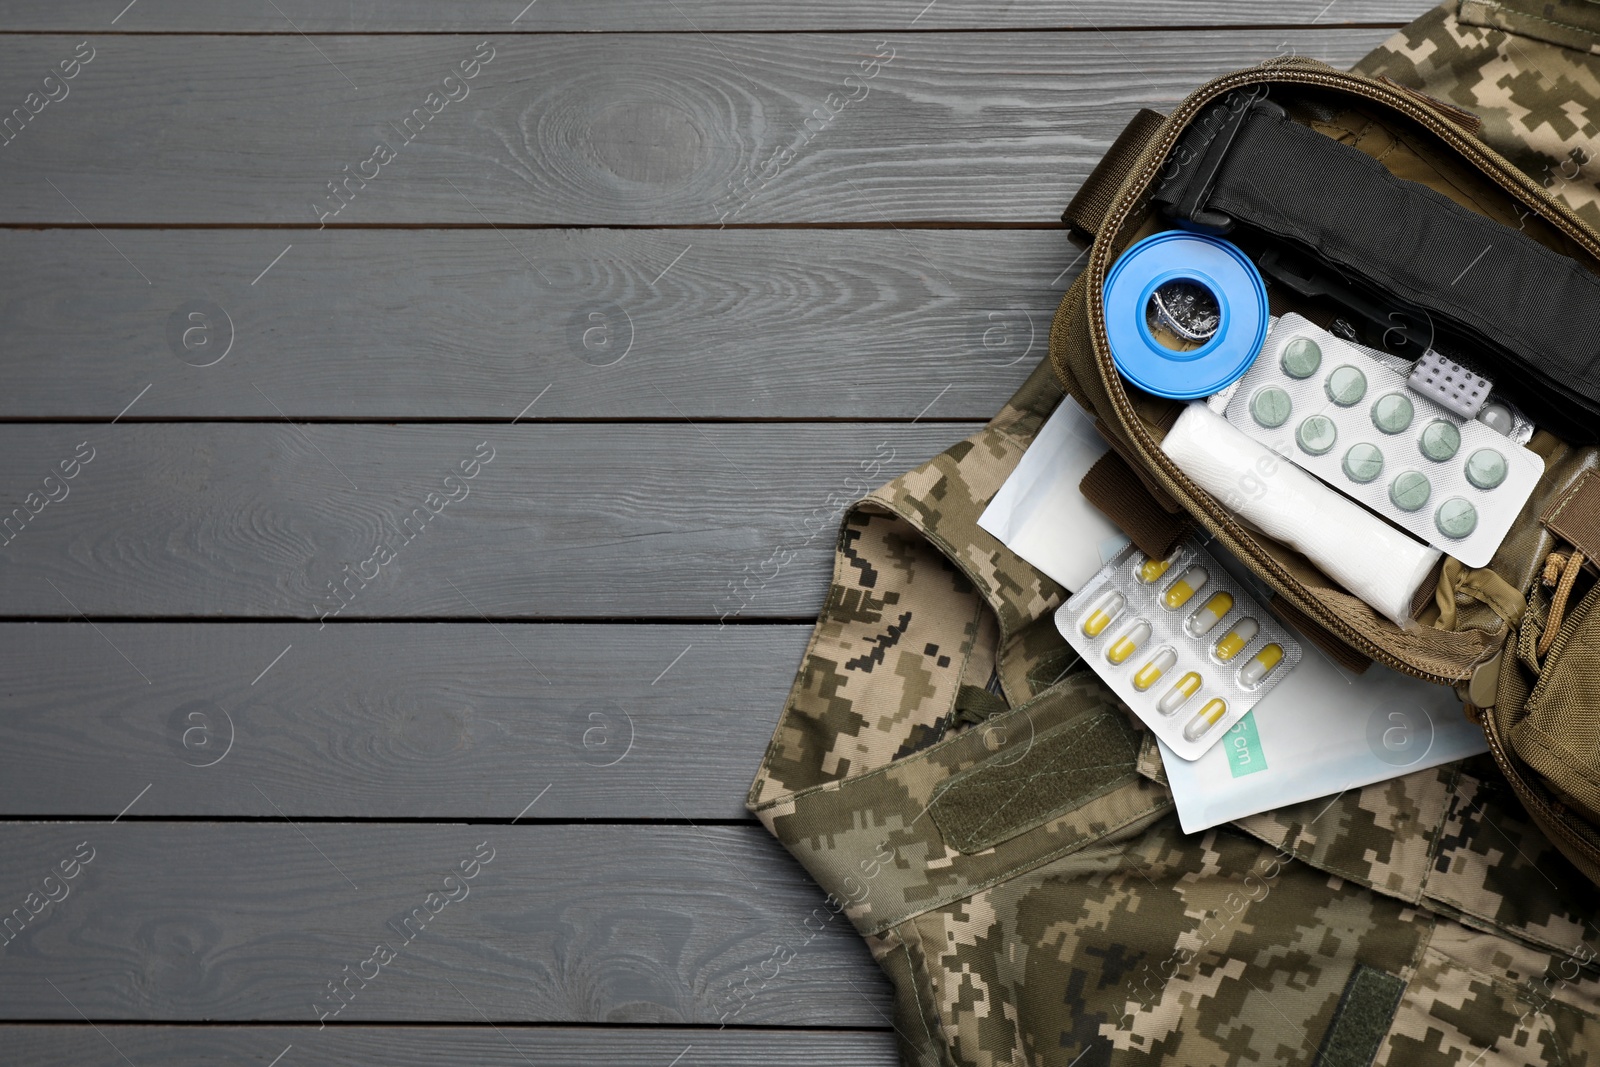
[
  {"x": 996, "y": 824},
  {"x": 1528, "y": 69}
]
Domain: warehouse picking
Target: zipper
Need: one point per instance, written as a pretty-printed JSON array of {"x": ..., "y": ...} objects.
[
  {"x": 1222, "y": 524},
  {"x": 1548, "y": 818}
]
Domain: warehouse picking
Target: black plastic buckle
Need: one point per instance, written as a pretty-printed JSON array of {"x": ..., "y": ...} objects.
[{"x": 1191, "y": 208}]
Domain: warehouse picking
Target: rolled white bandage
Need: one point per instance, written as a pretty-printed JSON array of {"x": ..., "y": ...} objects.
[{"x": 1367, "y": 556}]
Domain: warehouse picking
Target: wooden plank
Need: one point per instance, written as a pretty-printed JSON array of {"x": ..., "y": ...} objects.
[
  {"x": 436, "y": 721},
  {"x": 427, "y": 1046},
  {"x": 570, "y": 129},
  {"x": 453, "y": 324},
  {"x": 577, "y": 16},
  {"x": 263, "y": 519},
  {"x": 252, "y": 921}
]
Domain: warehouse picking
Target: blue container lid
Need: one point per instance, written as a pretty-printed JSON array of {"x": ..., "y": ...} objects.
[{"x": 1215, "y": 264}]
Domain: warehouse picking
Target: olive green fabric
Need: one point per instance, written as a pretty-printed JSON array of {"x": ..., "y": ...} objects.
[
  {"x": 1075, "y": 924},
  {"x": 1062, "y": 769},
  {"x": 1546, "y": 724},
  {"x": 1362, "y": 1018}
]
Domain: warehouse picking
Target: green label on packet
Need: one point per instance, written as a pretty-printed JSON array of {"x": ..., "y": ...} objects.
[{"x": 1244, "y": 747}]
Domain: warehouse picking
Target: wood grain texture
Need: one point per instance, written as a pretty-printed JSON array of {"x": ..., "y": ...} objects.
[
  {"x": 424, "y": 1046},
  {"x": 375, "y": 721},
  {"x": 251, "y": 921},
  {"x": 444, "y": 324},
  {"x": 262, "y": 519},
  {"x": 578, "y": 129},
  {"x": 577, "y": 16}
]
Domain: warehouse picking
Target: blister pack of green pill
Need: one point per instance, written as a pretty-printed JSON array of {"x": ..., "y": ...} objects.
[{"x": 1340, "y": 412}]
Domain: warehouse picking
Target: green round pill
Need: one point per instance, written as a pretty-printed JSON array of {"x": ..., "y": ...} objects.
[
  {"x": 1440, "y": 440},
  {"x": 1301, "y": 357},
  {"x": 1316, "y": 434},
  {"x": 1410, "y": 490},
  {"x": 1270, "y": 407},
  {"x": 1456, "y": 518},
  {"x": 1392, "y": 413},
  {"x": 1486, "y": 468},
  {"x": 1346, "y": 386},
  {"x": 1363, "y": 462}
]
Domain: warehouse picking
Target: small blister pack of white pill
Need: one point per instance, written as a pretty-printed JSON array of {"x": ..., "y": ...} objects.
[
  {"x": 1343, "y": 414},
  {"x": 1180, "y": 641}
]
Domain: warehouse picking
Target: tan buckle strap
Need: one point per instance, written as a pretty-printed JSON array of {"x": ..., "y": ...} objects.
[{"x": 1094, "y": 198}]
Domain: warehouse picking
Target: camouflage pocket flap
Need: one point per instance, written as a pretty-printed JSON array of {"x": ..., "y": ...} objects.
[
  {"x": 1569, "y": 23},
  {"x": 1064, "y": 768}
]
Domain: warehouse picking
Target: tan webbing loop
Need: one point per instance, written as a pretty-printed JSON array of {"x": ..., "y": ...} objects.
[{"x": 1093, "y": 199}]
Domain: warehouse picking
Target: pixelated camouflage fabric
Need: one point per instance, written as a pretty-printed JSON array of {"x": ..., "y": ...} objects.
[
  {"x": 1529, "y": 70},
  {"x": 1216, "y": 948}
]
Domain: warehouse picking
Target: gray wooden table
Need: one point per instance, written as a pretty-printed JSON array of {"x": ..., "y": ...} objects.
[{"x": 422, "y": 430}]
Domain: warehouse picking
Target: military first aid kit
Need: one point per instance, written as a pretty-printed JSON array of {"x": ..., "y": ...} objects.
[
  {"x": 1002, "y": 831},
  {"x": 1493, "y": 290}
]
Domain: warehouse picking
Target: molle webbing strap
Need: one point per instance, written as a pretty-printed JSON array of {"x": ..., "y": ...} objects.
[
  {"x": 1093, "y": 199},
  {"x": 1575, "y": 515},
  {"x": 1537, "y": 312},
  {"x": 1063, "y": 769}
]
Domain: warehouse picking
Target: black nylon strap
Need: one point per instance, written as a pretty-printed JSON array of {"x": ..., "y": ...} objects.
[{"x": 1536, "y": 312}]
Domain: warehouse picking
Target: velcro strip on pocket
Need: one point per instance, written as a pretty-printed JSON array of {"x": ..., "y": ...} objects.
[
  {"x": 1057, "y": 771},
  {"x": 1362, "y": 1019}
]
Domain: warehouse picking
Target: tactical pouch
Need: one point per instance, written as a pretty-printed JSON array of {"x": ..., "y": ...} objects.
[
  {"x": 1400, "y": 154},
  {"x": 1544, "y": 725}
]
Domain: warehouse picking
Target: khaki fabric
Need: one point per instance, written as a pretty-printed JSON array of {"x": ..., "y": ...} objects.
[
  {"x": 1016, "y": 868},
  {"x": 1530, "y": 71}
]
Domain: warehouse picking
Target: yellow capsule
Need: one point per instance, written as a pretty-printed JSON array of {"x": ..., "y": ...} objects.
[
  {"x": 1205, "y": 719},
  {"x": 1151, "y": 570},
  {"x": 1103, "y": 614},
  {"x": 1128, "y": 643},
  {"x": 1261, "y": 664},
  {"x": 1211, "y": 613},
  {"x": 1232, "y": 643},
  {"x": 1179, "y": 694},
  {"x": 1183, "y": 590},
  {"x": 1151, "y": 672}
]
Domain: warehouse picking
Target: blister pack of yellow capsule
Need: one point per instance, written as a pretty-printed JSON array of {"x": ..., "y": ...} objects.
[{"x": 1180, "y": 641}]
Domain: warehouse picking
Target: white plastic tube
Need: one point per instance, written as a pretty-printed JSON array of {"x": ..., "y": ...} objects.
[{"x": 1370, "y": 558}]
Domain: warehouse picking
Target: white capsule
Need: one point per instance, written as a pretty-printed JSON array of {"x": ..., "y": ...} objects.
[
  {"x": 1261, "y": 664},
  {"x": 1205, "y": 719},
  {"x": 1179, "y": 694},
  {"x": 1181, "y": 591},
  {"x": 1103, "y": 614},
  {"x": 1206, "y": 617},
  {"x": 1128, "y": 643},
  {"x": 1238, "y": 636},
  {"x": 1150, "y": 570},
  {"x": 1159, "y": 664}
]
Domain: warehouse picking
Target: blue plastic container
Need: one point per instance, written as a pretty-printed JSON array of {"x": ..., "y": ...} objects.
[{"x": 1217, "y": 265}]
